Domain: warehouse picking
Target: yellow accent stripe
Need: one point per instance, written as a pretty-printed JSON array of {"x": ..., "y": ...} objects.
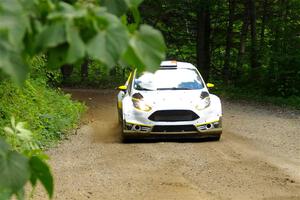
[
  {"x": 128, "y": 78},
  {"x": 139, "y": 124},
  {"x": 207, "y": 123},
  {"x": 142, "y": 110},
  {"x": 135, "y": 99},
  {"x": 119, "y": 104}
]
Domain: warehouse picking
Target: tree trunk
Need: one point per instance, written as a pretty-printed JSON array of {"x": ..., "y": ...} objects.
[
  {"x": 229, "y": 35},
  {"x": 84, "y": 70},
  {"x": 243, "y": 36},
  {"x": 203, "y": 38},
  {"x": 263, "y": 24},
  {"x": 66, "y": 71},
  {"x": 253, "y": 55}
]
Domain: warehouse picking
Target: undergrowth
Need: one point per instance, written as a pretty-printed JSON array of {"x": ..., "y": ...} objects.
[
  {"x": 48, "y": 112},
  {"x": 99, "y": 76}
]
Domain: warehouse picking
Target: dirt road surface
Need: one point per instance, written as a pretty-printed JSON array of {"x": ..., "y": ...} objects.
[{"x": 258, "y": 157}]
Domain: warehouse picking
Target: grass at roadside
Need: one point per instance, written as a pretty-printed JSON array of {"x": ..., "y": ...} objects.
[{"x": 48, "y": 112}]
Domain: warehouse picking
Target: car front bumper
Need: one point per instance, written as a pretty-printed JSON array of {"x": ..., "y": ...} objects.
[{"x": 207, "y": 129}]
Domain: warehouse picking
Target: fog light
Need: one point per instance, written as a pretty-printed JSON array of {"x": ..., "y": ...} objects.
[
  {"x": 128, "y": 126},
  {"x": 216, "y": 124},
  {"x": 138, "y": 128},
  {"x": 203, "y": 127}
]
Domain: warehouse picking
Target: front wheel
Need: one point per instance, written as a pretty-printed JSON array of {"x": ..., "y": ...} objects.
[
  {"x": 124, "y": 137},
  {"x": 120, "y": 116},
  {"x": 216, "y": 137}
]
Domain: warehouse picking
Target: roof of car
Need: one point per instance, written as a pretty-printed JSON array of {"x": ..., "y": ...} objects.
[{"x": 176, "y": 64}]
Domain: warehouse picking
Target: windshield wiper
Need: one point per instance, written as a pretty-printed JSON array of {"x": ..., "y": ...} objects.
[
  {"x": 143, "y": 89},
  {"x": 174, "y": 88}
]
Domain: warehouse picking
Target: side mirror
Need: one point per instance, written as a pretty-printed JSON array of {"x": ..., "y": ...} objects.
[
  {"x": 210, "y": 85},
  {"x": 122, "y": 87}
]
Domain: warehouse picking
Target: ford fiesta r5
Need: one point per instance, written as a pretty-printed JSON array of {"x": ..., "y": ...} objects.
[{"x": 172, "y": 101}]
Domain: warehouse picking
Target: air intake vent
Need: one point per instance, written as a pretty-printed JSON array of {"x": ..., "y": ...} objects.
[
  {"x": 177, "y": 128},
  {"x": 173, "y": 116}
]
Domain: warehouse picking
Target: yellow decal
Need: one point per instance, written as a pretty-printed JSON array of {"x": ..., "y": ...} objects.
[
  {"x": 122, "y": 87},
  {"x": 139, "y": 124},
  {"x": 210, "y": 85},
  {"x": 207, "y": 123},
  {"x": 120, "y": 104}
]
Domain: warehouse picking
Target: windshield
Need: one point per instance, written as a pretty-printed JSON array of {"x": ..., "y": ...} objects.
[{"x": 169, "y": 79}]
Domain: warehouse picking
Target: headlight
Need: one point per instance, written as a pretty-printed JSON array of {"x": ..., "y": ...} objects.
[
  {"x": 204, "y": 104},
  {"x": 140, "y": 105}
]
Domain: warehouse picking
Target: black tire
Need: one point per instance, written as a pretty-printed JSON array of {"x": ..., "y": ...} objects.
[
  {"x": 124, "y": 138},
  {"x": 120, "y": 117},
  {"x": 216, "y": 138}
]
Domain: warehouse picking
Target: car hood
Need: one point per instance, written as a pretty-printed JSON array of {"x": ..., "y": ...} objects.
[{"x": 173, "y": 99}]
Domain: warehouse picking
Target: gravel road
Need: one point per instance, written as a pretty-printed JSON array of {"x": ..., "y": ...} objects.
[{"x": 258, "y": 157}]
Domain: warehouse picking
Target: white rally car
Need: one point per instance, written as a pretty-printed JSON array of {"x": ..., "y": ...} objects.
[{"x": 172, "y": 101}]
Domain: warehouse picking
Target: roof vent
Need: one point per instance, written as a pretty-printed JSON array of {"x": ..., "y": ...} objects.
[{"x": 169, "y": 64}]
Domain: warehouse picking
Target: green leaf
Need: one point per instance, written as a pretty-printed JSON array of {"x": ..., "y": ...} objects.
[
  {"x": 147, "y": 48},
  {"x": 14, "y": 20},
  {"x": 11, "y": 61},
  {"x": 109, "y": 44},
  {"x": 33, "y": 179},
  {"x": 21, "y": 194},
  {"x": 4, "y": 148},
  {"x": 5, "y": 194},
  {"x": 76, "y": 49},
  {"x": 41, "y": 171},
  {"x": 116, "y": 7},
  {"x": 67, "y": 11},
  {"x": 9, "y": 131},
  {"x": 131, "y": 59},
  {"x": 133, "y": 3},
  {"x": 14, "y": 169},
  {"x": 120, "y": 7},
  {"x": 51, "y": 36},
  {"x": 57, "y": 56}
]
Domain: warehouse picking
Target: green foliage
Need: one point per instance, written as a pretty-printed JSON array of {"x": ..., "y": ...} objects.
[
  {"x": 67, "y": 33},
  {"x": 99, "y": 76},
  {"x": 16, "y": 169},
  {"x": 19, "y": 137},
  {"x": 145, "y": 47},
  {"x": 119, "y": 7},
  {"x": 13, "y": 27},
  {"x": 277, "y": 40},
  {"x": 49, "y": 113},
  {"x": 40, "y": 171},
  {"x": 116, "y": 7},
  {"x": 108, "y": 45},
  {"x": 40, "y": 71}
]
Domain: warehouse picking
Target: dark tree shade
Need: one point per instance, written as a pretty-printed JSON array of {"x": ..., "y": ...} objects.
[
  {"x": 245, "y": 43},
  {"x": 203, "y": 37}
]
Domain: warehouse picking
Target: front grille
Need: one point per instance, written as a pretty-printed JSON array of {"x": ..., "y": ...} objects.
[
  {"x": 173, "y": 116},
  {"x": 175, "y": 128}
]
